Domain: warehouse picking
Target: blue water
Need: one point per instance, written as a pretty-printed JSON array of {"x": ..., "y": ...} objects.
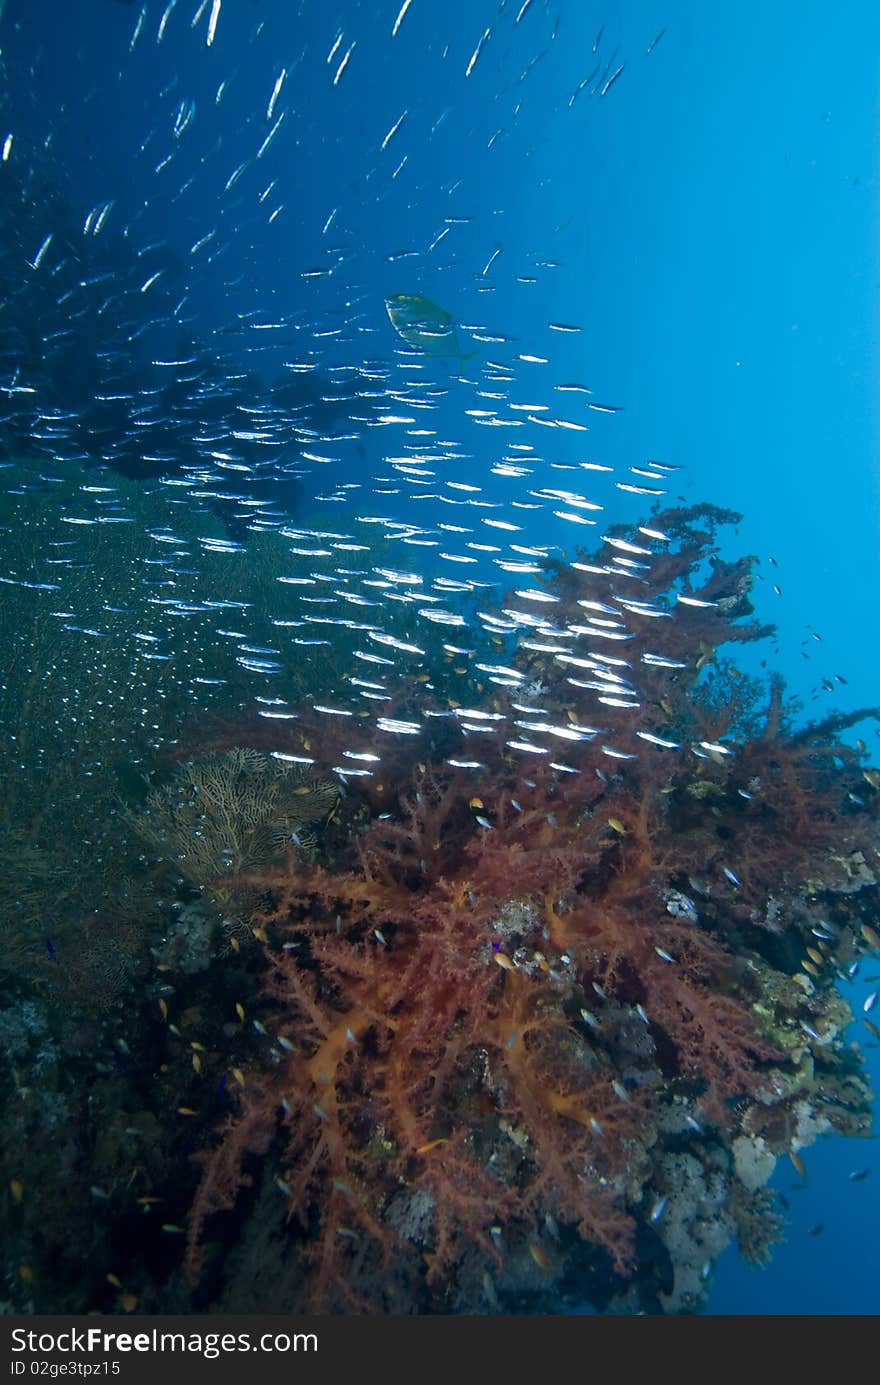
[{"x": 713, "y": 227}]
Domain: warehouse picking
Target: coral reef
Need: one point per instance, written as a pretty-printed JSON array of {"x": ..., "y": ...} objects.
[
  {"x": 520, "y": 1018},
  {"x": 513, "y": 1031}
]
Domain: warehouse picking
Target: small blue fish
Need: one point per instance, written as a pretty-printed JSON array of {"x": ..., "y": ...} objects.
[{"x": 658, "y": 1209}]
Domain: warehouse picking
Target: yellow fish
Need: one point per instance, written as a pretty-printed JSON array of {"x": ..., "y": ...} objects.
[
  {"x": 871, "y": 937},
  {"x": 425, "y": 325}
]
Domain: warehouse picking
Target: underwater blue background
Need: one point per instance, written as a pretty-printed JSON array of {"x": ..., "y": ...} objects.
[{"x": 713, "y": 226}]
